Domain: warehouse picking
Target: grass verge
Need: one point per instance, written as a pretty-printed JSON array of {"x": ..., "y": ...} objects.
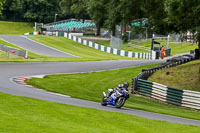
[
  {"x": 20, "y": 114},
  {"x": 89, "y": 86},
  {"x": 15, "y": 28},
  {"x": 185, "y": 76}
]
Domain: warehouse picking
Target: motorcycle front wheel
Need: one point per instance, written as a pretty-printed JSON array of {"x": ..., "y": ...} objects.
[
  {"x": 104, "y": 101},
  {"x": 120, "y": 102}
]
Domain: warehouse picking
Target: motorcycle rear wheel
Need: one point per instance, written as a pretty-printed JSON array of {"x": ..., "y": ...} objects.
[{"x": 120, "y": 102}]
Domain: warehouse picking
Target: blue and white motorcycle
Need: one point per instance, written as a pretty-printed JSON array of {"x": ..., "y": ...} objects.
[{"x": 117, "y": 98}]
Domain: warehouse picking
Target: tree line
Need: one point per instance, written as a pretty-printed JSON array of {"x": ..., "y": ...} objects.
[{"x": 164, "y": 16}]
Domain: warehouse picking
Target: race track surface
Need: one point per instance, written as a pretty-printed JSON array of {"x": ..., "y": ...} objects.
[
  {"x": 33, "y": 46},
  {"x": 10, "y": 70}
]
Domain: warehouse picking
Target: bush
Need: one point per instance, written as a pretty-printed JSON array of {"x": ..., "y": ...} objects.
[{"x": 125, "y": 37}]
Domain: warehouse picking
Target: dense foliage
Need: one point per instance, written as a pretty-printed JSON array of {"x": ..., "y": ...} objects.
[
  {"x": 29, "y": 10},
  {"x": 164, "y": 16},
  {"x": 184, "y": 16},
  {"x": 1, "y": 4}
]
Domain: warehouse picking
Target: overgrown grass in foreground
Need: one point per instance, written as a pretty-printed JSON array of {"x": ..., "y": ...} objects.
[
  {"x": 20, "y": 114},
  {"x": 185, "y": 76},
  {"x": 90, "y": 86},
  {"x": 15, "y": 28}
]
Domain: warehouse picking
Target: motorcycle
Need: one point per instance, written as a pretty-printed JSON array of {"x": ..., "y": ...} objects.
[{"x": 117, "y": 98}]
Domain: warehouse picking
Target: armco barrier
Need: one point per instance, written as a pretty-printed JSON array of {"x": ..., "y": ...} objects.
[
  {"x": 140, "y": 85},
  {"x": 14, "y": 51},
  {"x": 146, "y": 73},
  {"x": 185, "y": 98}
]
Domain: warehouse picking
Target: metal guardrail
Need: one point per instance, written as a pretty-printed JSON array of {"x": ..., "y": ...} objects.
[
  {"x": 140, "y": 85},
  {"x": 14, "y": 51}
]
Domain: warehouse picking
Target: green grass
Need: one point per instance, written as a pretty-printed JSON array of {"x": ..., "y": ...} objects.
[
  {"x": 84, "y": 53},
  {"x": 15, "y": 28},
  {"x": 185, "y": 76},
  {"x": 103, "y": 42},
  {"x": 20, "y": 114},
  {"x": 89, "y": 86},
  {"x": 76, "y": 49},
  {"x": 176, "y": 48},
  {"x": 9, "y": 57}
]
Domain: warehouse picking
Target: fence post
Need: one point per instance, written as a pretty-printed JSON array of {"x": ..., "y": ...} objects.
[
  {"x": 134, "y": 85},
  {"x": 26, "y": 55}
]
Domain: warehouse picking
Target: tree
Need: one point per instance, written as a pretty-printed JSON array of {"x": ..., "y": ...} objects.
[
  {"x": 77, "y": 8},
  {"x": 29, "y": 10},
  {"x": 17, "y": 7},
  {"x": 122, "y": 12},
  {"x": 41, "y": 10},
  {"x": 113, "y": 15},
  {"x": 6, "y": 10},
  {"x": 65, "y": 6},
  {"x": 96, "y": 13},
  {"x": 184, "y": 16},
  {"x": 1, "y": 5},
  {"x": 156, "y": 13}
]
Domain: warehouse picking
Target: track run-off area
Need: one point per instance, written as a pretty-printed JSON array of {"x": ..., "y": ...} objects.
[{"x": 8, "y": 71}]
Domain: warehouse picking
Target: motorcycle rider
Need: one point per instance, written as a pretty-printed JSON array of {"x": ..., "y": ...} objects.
[{"x": 119, "y": 88}]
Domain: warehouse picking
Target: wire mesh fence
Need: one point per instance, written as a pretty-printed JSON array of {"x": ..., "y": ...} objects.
[{"x": 116, "y": 43}]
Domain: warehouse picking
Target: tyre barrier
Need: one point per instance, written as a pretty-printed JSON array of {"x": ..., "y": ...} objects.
[{"x": 140, "y": 85}]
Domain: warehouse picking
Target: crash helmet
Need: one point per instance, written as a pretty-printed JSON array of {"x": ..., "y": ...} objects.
[
  {"x": 125, "y": 85},
  {"x": 120, "y": 86}
]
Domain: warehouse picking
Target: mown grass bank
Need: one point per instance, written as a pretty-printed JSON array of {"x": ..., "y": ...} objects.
[
  {"x": 185, "y": 76},
  {"x": 15, "y": 28},
  {"x": 75, "y": 48},
  {"x": 20, "y": 114},
  {"x": 89, "y": 86}
]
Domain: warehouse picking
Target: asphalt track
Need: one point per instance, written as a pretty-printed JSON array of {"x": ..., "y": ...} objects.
[
  {"x": 10, "y": 70},
  {"x": 33, "y": 46}
]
